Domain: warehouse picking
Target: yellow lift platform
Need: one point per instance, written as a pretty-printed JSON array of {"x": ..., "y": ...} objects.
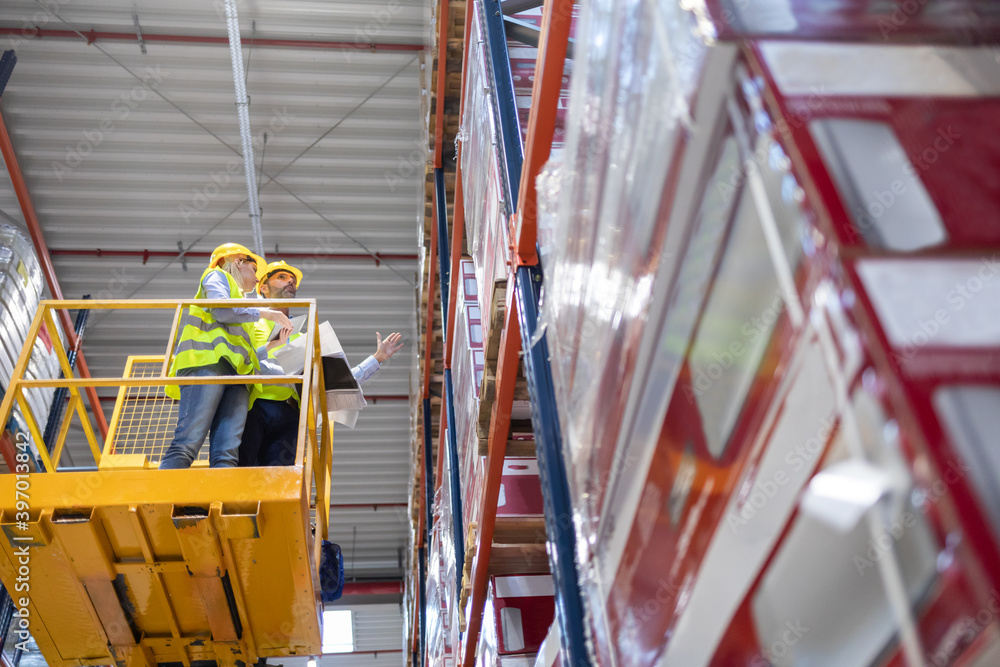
[{"x": 134, "y": 566}]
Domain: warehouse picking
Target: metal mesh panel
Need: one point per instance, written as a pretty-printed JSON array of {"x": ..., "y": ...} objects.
[{"x": 147, "y": 418}]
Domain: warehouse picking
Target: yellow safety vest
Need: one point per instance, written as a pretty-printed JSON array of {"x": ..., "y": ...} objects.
[
  {"x": 272, "y": 392},
  {"x": 205, "y": 341}
]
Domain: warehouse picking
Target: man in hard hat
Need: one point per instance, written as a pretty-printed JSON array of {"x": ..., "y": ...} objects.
[
  {"x": 272, "y": 425},
  {"x": 214, "y": 342}
]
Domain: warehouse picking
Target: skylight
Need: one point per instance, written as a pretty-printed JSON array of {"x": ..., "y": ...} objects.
[{"x": 338, "y": 631}]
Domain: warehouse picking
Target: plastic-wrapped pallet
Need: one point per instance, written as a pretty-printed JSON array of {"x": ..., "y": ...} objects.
[
  {"x": 467, "y": 372},
  {"x": 523, "y": 58},
  {"x": 609, "y": 197},
  {"x": 608, "y": 230},
  {"x": 485, "y": 217},
  {"x": 438, "y": 639},
  {"x": 442, "y": 585},
  {"x": 434, "y": 645},
  {"x": 21, "y": 289}
]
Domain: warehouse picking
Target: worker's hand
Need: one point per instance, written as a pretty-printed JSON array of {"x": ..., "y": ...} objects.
[
  {"x": 279, "y": 319},
  {"x": 279, "y": 341},
  {"x": 388, "y": 347}
]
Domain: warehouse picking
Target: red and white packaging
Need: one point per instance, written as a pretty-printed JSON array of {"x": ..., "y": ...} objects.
[
  {"x": 548, "y": 654},
  {"x": 523, "y": 610},
  {"x": 523, "y": 59},
  {"x": 520, "y": 488},
  {"x": 469, "y": 292}
]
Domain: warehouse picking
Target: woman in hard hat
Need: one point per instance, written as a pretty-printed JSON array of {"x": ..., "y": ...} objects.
[{"x": 214, "y": 342}]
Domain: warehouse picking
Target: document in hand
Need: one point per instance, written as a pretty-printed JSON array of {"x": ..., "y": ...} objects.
[
  {"x": 344, "y": 398},
  {"x": 297, "y": 323}
]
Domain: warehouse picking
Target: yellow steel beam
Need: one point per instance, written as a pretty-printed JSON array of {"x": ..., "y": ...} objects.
[
  {"x": 156, "y": 571},
  {"x": 311, "y": 357},
  {"x": 314, "y": 458},
  {"x": 200, "y": 546},
  {"x": 22, "y": 363},
  {"x": 160, "y": 382},
  {"x": 29, "y": 417},
  {"x": 235, "y": 584},
  {"x": 64, "y": 428},
  {"x": 325, "y": 447},
  {"x": 92, "y": 558},
  {"x": 54, "y": 549},
  {"x": 88, "y": 429},
  {"x": 161, "y": 304},
  {"x": 152, "y": 568},
  {"x": 169, "y": 354},
  {"x": 195, "y": 486}
]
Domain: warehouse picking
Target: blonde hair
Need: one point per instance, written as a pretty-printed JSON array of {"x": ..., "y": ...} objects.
[{"x": 229, "y": 266}]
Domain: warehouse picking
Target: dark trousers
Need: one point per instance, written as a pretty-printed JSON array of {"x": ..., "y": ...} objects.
[{"x": 269, "y": 435}]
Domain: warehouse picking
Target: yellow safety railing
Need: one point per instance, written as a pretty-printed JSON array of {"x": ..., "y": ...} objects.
[{"x": 315, "y": 437}]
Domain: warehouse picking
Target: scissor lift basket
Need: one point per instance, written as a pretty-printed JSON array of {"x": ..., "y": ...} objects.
[{"x": 137, "y": 566}]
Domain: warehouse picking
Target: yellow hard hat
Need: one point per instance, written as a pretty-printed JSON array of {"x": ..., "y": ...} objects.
[
  {"x": 274, "y": 267},
  {"x": 228, "y": 249}
]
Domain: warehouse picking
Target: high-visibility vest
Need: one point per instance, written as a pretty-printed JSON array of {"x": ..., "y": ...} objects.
[
  {"x": 205, "y": 341},
  {"x": 272, "y": 392}
]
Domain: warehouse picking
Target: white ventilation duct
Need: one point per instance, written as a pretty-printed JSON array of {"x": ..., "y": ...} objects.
[{"x": 243, "y": 112}]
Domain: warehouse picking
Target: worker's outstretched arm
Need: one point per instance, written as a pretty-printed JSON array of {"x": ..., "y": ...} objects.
[{"x": 384, "y": 349}]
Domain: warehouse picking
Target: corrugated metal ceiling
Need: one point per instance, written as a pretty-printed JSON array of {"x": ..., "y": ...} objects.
[{"x": 129, "y": 151}]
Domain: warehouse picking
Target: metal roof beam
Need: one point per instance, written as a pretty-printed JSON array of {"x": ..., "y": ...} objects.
[
  {"x": 94, "y": 36},
  {"x": 147, "y": 254}
]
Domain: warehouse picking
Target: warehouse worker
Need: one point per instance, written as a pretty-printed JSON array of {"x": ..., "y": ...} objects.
[
  {"x": 214, "y": 342},
  {"x": 272, "y": 425}
]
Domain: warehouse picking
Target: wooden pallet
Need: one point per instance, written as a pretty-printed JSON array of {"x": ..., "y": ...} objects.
[
  {"x": 518, "y": 548},
  {"x": 487, "y": 390},
  {"x": 487, "y": 397},
  {"x": 515, "y": 448},
  {"x": 493, "y": 324}
]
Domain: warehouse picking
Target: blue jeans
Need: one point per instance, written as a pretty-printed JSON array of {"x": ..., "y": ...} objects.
[{"x": 221, "y": 408}]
